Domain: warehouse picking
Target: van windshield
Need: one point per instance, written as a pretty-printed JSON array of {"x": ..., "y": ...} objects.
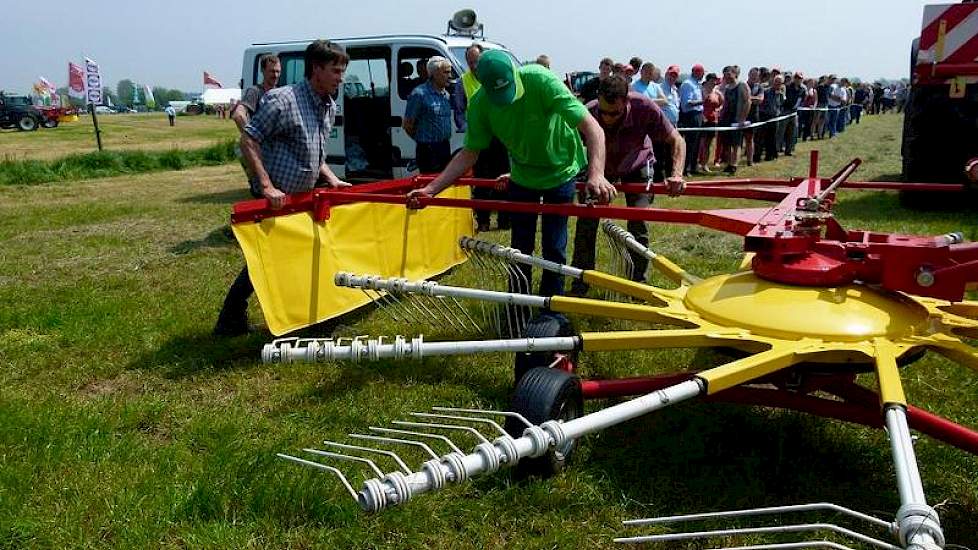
[{"x": 459, "y": 54}]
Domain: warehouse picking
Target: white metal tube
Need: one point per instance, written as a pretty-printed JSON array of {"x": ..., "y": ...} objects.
[
  {"x": 633, "y": 408},
  {"x": 508, "y": 253},
  {"x": 316, "y": 350},
  {"x": 434, "y": 289},
  {"x": 904, "y": 459},
  {"x": 506, "y": 451}
]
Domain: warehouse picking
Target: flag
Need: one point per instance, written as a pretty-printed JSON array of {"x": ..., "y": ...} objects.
[
  {"x": 148, "y": 96},
  {"x": 211, "y": 82},
  {"x": 93, "y": 82},
  {"x": 76, "y": 81}
]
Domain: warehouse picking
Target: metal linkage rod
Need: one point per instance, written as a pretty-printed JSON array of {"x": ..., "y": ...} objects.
[
  {"x": 803, "y": 528},
  {"x": 321, "y": 350},
  {"x": 431, "y": 288},
  {"x": 752, "y": 512}
]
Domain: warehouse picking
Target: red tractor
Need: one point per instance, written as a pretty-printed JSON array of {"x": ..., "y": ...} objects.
[{"x": 940, "y": 132}]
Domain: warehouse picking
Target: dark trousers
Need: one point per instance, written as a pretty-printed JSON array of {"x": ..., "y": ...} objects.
[
  {"x": 172, "y": 119},
  {"x": 433, "y": 157},
  {"x": 553, "y": 236},
  {"x": 586, "y": 233},
  {"x": 790, "y": 134},
  {"x": 234, "y": 312},
  {"x": 691, "y": 119},
  {"x": 805, "y": 124},
  {"x": 663, "y": 161},
  {"x": 493, "y": 162},
  {"x": 857, "y": 111}
]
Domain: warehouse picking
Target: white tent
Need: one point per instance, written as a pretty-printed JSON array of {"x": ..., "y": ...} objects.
[{"x": 221, "y": 96}]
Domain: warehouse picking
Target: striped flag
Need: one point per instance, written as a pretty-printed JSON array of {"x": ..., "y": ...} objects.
[
  {"x": 949, "y": 34},
  {"x": 211, "y": 82}
]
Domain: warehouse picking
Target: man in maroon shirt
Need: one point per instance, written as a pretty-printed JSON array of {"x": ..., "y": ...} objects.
[{"x": 632, "y": 122}]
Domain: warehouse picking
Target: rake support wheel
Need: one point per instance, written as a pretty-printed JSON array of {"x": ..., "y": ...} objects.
[{"x": 546, "y": 394}]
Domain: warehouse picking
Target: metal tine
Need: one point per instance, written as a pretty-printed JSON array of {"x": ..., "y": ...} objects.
[
  {"x": 465, "y": 418},
  {"x": 800, "y": 528},
  {"x": 509, "y": 414},
  {"x": 438, "y": 316},
  {"x": 421, "y": 300},
  {"x": 449, "y": 314},
  {"x": 789, "y": 546},
  {"x": 751, "y": 512},
  {"x": 421, "y": 315},
  {"x": 381, "y": 302},
  {"x": 439, "y": 437},
  {"x": 392, "y": 454},
  {"x": 467, "y": 315},
  {"x": 340, "y": 456},
  {"x": 419, "y": 444},
  {"x": 318, "y": 466},
  {"x": 409, "y": 314},
  {"x": 469, "y": 429}
]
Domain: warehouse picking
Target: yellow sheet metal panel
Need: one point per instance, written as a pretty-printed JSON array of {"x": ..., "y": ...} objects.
[
  {"x": 887, "y": 373},
  {"x": 672, "y": 271},
  {"x": 292, "y": 259},
  {"x": 845, "y": 314},
  {"x": 648, "y": 339}
]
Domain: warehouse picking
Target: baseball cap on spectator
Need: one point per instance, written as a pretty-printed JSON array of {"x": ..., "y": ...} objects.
[
  {"x": 673, "y": 69},
  {"x": 799, "y": 75},
  {"x": 499, "y": 77},
  {"x": 698, "y": 67},
  {"x": 712, "y": 76}
]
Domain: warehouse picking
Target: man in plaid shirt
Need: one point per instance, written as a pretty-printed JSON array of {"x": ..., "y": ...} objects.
[{"x": 284, "y": 146}]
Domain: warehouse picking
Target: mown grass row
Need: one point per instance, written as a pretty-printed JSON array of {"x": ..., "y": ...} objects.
[{"x": 102, "y": 164}]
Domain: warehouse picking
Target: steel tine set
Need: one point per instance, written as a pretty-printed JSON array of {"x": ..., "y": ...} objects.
[
  {"x": 496, "y": 266},
  {"x": 821, "y": 527},
  {"x": 621, "y": 263},
  {"x": 381, "y": 490},
  {"x": 422, "y": 309}
]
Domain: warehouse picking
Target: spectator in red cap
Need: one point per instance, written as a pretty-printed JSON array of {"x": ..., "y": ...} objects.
[{"x": 691, "y": 116}]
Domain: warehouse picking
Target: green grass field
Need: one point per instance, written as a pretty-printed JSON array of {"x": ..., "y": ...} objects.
[
  {"x": 123, "y": 132},
  {"x": 124, "y": 424}
]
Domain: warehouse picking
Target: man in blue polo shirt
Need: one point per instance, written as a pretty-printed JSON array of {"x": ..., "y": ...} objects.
[
  {"x": 428, "y": 118},
  {"x": 691, "y": 114}
]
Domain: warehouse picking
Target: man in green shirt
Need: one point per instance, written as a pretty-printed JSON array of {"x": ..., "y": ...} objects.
[{"x": 540, "y": 122}]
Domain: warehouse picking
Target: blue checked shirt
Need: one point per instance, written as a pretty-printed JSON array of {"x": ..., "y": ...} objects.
[
  {"x": 431, "y": 111},
  {"x": 292, "y": 124}
]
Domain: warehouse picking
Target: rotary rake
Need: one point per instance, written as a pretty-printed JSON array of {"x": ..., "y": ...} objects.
[{"x": 815, "y": 305}]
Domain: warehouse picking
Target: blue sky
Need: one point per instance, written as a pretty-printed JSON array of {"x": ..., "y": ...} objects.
[{"x": 170, "y": 44}]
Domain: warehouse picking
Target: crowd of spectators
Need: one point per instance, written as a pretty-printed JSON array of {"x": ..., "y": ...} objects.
[{"x": 763, "y": 116}]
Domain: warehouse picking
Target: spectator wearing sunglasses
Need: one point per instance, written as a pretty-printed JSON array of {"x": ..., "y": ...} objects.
[{"x": 632, "y": 123}]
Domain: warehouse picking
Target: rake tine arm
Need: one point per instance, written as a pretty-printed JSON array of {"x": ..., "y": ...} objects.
[
  {"x": 318, "y": 466},
  {"x": 752, "y": 512},
  {"x": 805, "y": 528},
  {"x": 666, "y": 266}
]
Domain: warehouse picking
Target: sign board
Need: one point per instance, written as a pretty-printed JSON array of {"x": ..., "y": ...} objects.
[{"x": 93, "y": 82}]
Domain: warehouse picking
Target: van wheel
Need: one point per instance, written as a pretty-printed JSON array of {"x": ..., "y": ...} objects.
[
  {"x": 546, "y": 394},
  {"x": 27, "y": 123}
]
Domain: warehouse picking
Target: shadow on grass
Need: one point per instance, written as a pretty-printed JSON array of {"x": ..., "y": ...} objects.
[
  {"x": 889, "y": 206},
  {"x": 192, "y": 353},
  {"x": 218, "y": 238},
  {"x": 229, "y": 196}
]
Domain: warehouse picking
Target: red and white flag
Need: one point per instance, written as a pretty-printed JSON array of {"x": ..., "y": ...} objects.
[
  {"x": 76, "y": 81},
  {"x": 211, "y": 82}
]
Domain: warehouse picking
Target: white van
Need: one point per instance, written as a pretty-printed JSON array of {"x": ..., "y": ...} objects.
[{"x": 368, "y": 142}]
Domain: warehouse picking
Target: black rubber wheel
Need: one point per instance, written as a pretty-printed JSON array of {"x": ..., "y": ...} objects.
[
  {"x": 546, "y": 394},
  {"x": 27, "y": 123},
  {"x": 544, "y": 325}
]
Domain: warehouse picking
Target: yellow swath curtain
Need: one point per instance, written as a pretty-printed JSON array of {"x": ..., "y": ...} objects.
[{"x": 292, "y": 259}]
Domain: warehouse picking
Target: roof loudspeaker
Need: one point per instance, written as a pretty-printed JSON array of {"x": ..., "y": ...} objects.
[{"x": 464, "y": 23}]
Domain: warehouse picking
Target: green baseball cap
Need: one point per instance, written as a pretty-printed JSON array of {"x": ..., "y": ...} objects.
[{"x": 500, "y": 78}]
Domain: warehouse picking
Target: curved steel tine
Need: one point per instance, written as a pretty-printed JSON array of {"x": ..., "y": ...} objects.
[
  {"x": 509, "y": 414},
  {"x": 350, "y": 458},
  {"x": 392, "y": 454},
  {"x": 465, "y": 418},
  {"x": 447, "y": 312},
  {"x": 419, "y": 444},
  {"x": 439, "y": 437},
  {"x": 406, "y": 311},
  {"x": 468, "y": 429},
  {"x": 318, "y": 466},
  {"x": 466, "y": 313}
]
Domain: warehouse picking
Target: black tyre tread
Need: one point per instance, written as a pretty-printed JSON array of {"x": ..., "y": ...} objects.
[
  {"x": 544, "y": 325},
  {"x": 538, "y": 398}
]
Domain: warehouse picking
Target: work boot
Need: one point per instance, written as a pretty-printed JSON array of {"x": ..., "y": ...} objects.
[{"x": 231, "y": 324}]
